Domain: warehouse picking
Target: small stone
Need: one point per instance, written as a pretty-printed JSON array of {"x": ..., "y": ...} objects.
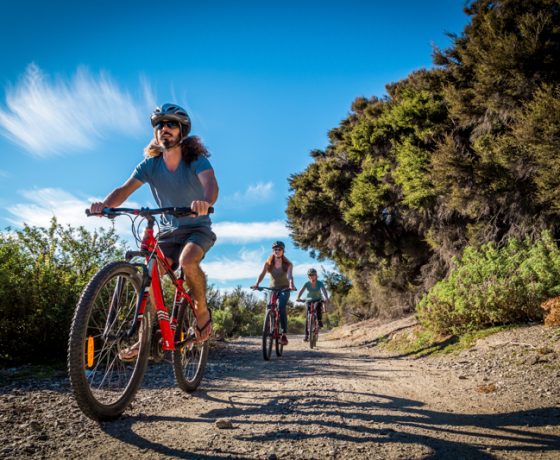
[{"x": 224, "y": 424}]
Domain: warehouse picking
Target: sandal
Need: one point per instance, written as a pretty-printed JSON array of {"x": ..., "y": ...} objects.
[
  {"x": 207, "y": 325},
  {"x": 129, "y": 354}
]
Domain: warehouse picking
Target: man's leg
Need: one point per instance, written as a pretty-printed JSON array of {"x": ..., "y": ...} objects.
[{"x": 190, "y": 259}]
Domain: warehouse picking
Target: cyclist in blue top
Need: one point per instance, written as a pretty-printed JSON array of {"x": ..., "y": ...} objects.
[
  {"x": 314, "y": 289},
  {"x": 177, "y": 169}
]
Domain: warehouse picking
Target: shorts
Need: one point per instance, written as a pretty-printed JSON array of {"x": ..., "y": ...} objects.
[{"x": 172, "y": 242}]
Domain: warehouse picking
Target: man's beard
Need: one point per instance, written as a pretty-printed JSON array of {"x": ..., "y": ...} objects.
[{"x": 169, "y": 142}]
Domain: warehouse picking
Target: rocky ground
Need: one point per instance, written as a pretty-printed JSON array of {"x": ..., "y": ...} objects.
[{"x": 348, "y": 399}]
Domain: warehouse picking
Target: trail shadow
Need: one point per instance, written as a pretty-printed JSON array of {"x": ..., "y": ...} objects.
[
  {"x": 123, "y": 430},
  {"x": 371, "y": 418}
]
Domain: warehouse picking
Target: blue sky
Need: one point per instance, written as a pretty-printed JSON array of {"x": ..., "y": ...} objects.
[{"x": 264, "y": 81}]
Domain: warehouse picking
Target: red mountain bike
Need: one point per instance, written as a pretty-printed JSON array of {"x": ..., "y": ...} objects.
[
  {"x": 271, "y": 327},
  {"x": 114, "y": 315}
]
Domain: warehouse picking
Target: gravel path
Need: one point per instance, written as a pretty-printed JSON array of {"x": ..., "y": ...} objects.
[{"x": 498, "y": 400}]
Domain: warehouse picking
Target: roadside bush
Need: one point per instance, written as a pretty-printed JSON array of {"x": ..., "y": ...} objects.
[
  {"x": 42, "y": 274},
  {"x": 235, "y": 313},
  {"x": 493, "y": 286}
]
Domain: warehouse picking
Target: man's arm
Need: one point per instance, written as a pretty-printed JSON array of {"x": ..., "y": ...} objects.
[
  {"x": 117, "y": 196},
  {"x": 209, "y": 184}
]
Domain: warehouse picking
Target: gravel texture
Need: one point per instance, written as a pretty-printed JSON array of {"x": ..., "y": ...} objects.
[{"x": 347, "y": 399}]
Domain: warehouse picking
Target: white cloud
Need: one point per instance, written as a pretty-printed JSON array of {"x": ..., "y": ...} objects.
[
  {"x": 243, "y": 232},
  {"x": 3, "y": 173},
  {"x": 254, "y": 194},
  {"x": 49, "y": 117},
  {"x": 246, "y": 266},
  {"x": 249, "y": 264},
  {"x": 42, "y": 204}
]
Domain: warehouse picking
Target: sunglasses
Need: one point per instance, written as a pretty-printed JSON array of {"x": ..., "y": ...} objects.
[
  {"x": 277, "y": 249},
  {"x": 168, "y": 124}
]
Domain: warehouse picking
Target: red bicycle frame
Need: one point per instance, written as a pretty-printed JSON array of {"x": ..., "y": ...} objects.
[
  {"x": 155, "y": 258},
  {"x": 273, "y": 304}
]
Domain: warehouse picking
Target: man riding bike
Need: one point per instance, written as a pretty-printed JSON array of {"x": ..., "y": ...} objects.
[
  {"x": 280, "y": 270},
  {"x": 177, "y": 169},
  {"x": 314, "y": 289}
]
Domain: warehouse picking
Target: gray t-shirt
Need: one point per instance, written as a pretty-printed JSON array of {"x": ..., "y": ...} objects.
[{"x": 178, "y": 188}]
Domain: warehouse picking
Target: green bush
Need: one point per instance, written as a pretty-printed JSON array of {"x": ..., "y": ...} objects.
[
  {"x": 42, "y": 274},
  {"x": 235, "y": 313},
  {"x": 493, "y": 286}
]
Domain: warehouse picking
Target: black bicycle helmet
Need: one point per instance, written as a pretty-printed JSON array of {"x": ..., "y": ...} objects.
[
  {"x": 278, "y": 244},
  {"x": 172, "y": 112},
  {"x": 311, "y": 271}
]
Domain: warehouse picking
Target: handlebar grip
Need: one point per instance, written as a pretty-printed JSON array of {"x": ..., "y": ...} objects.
[{"x": 104, "y": 211}]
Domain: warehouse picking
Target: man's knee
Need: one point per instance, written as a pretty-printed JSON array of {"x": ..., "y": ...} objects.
[{"x": 190, "y": 257}]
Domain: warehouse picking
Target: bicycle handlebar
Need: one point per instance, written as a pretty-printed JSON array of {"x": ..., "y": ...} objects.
[
  {"x": 272, "y": 289},
  {"x": 175, "y": 211}
]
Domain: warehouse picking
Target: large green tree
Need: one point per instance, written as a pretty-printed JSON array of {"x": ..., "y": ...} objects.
[{"x": 464, "y": 153}]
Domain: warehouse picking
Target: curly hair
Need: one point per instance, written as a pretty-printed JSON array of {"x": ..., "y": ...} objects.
[{"x": 191, "y": 148}]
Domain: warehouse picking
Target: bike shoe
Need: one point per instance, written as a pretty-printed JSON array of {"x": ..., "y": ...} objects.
[
  {"x": 306, "y": 339},
  {"x": 284, "y": 340},
  {"x": 320, "y": 323}
]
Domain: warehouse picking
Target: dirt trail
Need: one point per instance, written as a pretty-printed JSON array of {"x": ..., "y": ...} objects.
[{"x": 334, "y": 402}]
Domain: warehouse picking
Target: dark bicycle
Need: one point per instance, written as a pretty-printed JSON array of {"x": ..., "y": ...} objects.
[
  {"x": 312, "y": 322},
  {"x": 114, "y": 316},
  {"x": 271, "y": 328}
]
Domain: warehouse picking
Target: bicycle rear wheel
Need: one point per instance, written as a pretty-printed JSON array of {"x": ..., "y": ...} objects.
[
  {"x": 103, "y": 384},
  {"x": 268, "y": 332},
  {"x": 189, "y": 359}
]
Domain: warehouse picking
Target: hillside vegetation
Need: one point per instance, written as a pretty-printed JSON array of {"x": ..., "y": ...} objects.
[{"x": 446, "y": 178}]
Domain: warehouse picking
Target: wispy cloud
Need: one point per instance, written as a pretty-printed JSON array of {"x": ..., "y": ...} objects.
[
  {"x": 244, "y": 232},
  {"x": 254, "y": 194},
  {"x": 246, "y": 266},
  {"x": 42, "y": 204},
  {"x": 50, "y": 116},
  {"x": 3, "y": 173}
]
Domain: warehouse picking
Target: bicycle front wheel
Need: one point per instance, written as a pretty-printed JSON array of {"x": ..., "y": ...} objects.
[
  {"x": 189, "y": 357},
  {"x": 278, "y": 339},
  {"x": 268, "y": 332},
  {"x": 103, "y": 382},
  {"x": 313, "y": 330}
]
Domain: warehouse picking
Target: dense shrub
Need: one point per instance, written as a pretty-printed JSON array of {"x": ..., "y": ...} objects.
[
  {"x": 493, "y": 286},
  {"x": 42, "y": 273},
  {"x": 235, "y": 313}
]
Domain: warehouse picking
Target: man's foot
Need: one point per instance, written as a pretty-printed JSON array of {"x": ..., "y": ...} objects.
[
  {"x": 306, "y": 339},
  {"x": 129, "y": 354},
  {"x": 204, "y": 331},
  {"x": 284, "y": 339}
]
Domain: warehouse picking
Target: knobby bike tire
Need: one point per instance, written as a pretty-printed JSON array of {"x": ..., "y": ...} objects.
[
  {"x": 309, "y": 325},
  {"x": 267, "y": 334},
  {"x": 278, "y": 341},
  {"x": 314, "y": 331},
  {"x": 102, "y": 383},
  {"x": 189, "y": 360}
]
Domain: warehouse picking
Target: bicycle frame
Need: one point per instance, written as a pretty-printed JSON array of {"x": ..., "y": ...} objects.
[
  {"x": 152, "y": 279},
  {"x": 273, "y": 304}
]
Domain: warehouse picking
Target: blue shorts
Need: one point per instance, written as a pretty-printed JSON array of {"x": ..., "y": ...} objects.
[{"x": 172, "y": 242}]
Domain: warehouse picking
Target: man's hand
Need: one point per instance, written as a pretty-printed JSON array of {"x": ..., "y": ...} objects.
[
  {"x": 200, "y": 207},
  {"x": 97, "y": 208}
]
